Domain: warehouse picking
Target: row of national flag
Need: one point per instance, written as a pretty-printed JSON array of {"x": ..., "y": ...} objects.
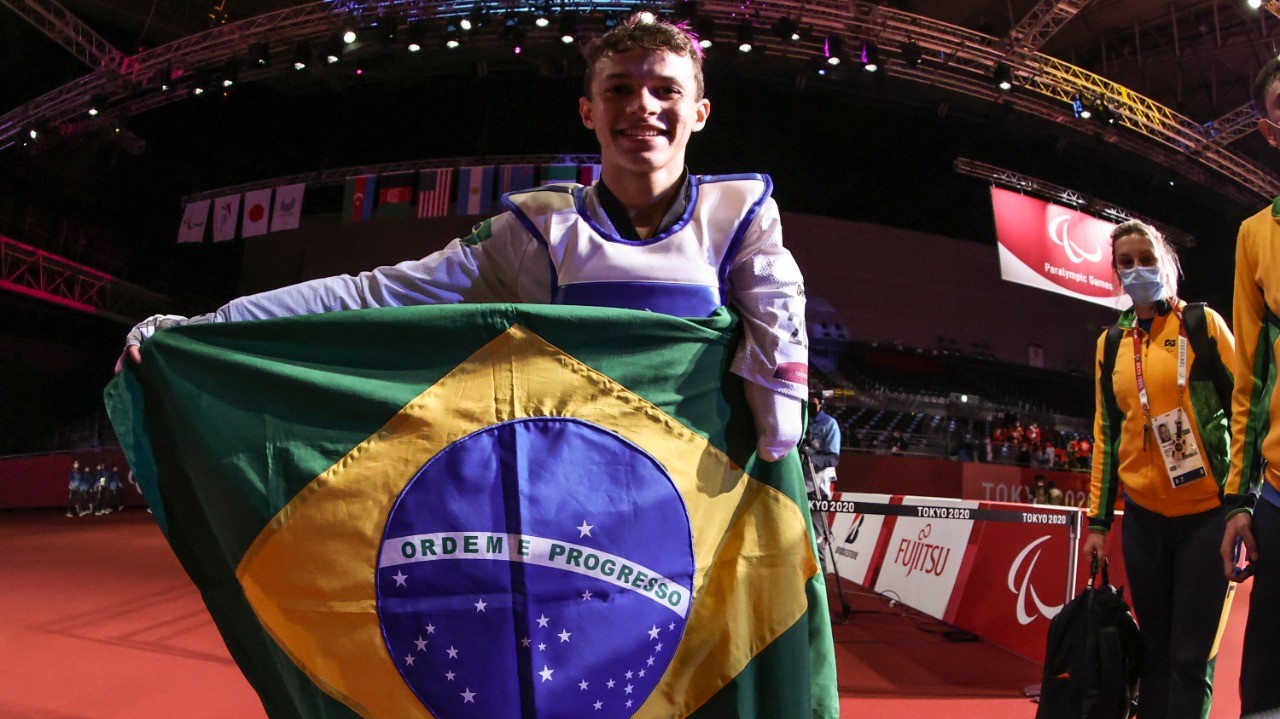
[
  {"x": 252, "y": 213},
  {"x": 435, "y": 192},
  {"x": 442, "y": 191}
]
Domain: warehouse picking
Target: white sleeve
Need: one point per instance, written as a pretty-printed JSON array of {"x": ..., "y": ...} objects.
[
  {"x": 766, "y": 288},
  {"x": 497, "y": 262}
]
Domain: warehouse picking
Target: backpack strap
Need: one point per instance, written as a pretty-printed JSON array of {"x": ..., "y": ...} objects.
[{"x": 1204, "y": 346}]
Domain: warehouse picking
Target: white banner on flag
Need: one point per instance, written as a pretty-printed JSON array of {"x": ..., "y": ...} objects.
[
  {"x": 257, "y": 213},
  {"x": 226, "y": 210},
  {"x": 287, "y": 213},
  {"x": 194, "y": 217}
]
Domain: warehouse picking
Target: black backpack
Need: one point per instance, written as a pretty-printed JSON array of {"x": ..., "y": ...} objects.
[{"x": 1094, "y": 656}]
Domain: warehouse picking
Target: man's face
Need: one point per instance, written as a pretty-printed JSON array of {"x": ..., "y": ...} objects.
[
  {"x": 1268, "y": 125},
  {"x": 643, "y": 108}
]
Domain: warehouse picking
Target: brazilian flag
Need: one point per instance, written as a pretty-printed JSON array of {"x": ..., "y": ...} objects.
[{"x": 483, "y": 511}]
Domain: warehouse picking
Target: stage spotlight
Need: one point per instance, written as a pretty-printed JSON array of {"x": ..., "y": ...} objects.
[
  {"x": 1255, "y": 4},
  {"x": 474, "y": 21},
  {"x": 911, "y": 53},
  {"x": 746, "y": 36},
  {"x": 301, "y": 55},
  {"x": 230, "y": 73},
  {"x": 333, "y": 53},
  {"x": 1105, "y": 114},
  {"x": 97, "y": 104},
  {"x": 870, "y": 56},
  {"x": 705, "y": 29},
  {"x": 1079, "y": 108},
  {"x": 451, "y": 35},
  {"x": 161, "y": 78},
  {"x": 259, "y": 54},
  {"x": 349, "y": 37},
  {"x": 542, "y": 16},
  {"x": 569, "y": 27},
  {"x": 785, "y": 28},
  {"x": 387, "y": 31},
  {"x": 833, "y": 50},
  {"x": 1003, "y": 76},
  {"x": 416, "y": 35}
]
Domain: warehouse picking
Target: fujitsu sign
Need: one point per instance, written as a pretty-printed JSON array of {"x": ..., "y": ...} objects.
[
  {"x": 1055, "y": 248},
  {"x": 919, "y": 554}
]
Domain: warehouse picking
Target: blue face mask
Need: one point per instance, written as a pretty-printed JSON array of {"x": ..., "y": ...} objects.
[{"x": 1143, "y": 285}]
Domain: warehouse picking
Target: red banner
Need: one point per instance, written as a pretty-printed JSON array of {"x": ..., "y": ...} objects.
[{"x": 1055, "y": 248}]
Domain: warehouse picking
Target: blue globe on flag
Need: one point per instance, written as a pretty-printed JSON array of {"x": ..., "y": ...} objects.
[{"x": 539, "y": 567}]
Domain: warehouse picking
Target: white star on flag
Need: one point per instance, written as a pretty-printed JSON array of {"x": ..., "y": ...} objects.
[
  {"x": 480, "y": 605},
  {"x": 453, "y": 653},
  {"x": 400, "y": 577},
  {"x": 641, "y": 672},
  {"x": 542, "y": 620},
  {"x": 421, "y": 643},
  {"x": 431, "y": 629},
  {"x": 449, "y": 675},
  {"x": 649, "y": 662},
  {"x": 653, "y": 633},
  {"x": 564, "y": 635},
  {"x": 542, "y": 647},
  {"x": 582, "y": 685},
  {"x": 598, "y": 704},
  {"x": 610, "y": 683},
  {"x": 524, "y": 642},
  {"x": 546, "y": 673},
  {"x": 628, "y": 688},
  {"x": 408, "y": 660},
  {"x": 584, "y": 530},
  {"x": 671, "y": 626},
  {"x": 628, "y": 703},
  {"x": 468, "y": 696},
  {"x": 586, "y": 595},
  {"x": 629, "y": 675},
  {"x": 658, "y": 648}
]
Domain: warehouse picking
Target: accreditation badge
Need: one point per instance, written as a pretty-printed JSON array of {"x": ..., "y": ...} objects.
[{"x": 1182, "y": 457}]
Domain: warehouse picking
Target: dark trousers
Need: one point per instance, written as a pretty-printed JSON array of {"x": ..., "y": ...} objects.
[
  {"x": 1178, "y": 591},
  {"x": 1260, "y": 663}
]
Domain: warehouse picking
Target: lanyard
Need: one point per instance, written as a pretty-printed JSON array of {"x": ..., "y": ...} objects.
[{"x": 1182, "y": 364}]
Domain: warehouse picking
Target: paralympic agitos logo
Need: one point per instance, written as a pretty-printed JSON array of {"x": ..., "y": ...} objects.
[
  {"x": 1019, "y": 582},
  {"x": 1058, "y": 229}
]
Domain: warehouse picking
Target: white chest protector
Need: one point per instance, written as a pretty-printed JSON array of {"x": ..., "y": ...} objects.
[{"x": 683, "y": 271}]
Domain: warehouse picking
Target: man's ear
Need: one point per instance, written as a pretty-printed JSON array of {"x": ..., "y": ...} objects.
[
  {"x": 584, "y": 109},
  {"x": 701, "y": 114}
]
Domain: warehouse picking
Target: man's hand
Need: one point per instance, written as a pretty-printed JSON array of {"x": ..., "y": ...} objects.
[
  {"x": 142, "y": 332},
  {"x": 1095, "y": 545},
  {"x": 1239, "y": 535}
]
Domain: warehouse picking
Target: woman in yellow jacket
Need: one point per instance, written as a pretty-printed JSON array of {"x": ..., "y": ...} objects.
[{"x": 1162, "y": 438}]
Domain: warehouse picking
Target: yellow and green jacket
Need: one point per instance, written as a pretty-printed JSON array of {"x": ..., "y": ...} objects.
[
  {"x": 1120, "y": 454},
  {"x": 1255, "y": 409}
]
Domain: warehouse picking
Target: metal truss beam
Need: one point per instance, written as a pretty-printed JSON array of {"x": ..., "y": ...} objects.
[
  {"x": 43, "y": 275},
  {"x": 1045, "y": 19},
  {"x": 1056, "y": 193},
  {"x": 1232, "y": 126},
  {"x": 68, "y": 31}
]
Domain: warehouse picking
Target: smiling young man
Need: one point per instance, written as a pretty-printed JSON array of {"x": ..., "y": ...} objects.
[{"x": 647, "y": 236}]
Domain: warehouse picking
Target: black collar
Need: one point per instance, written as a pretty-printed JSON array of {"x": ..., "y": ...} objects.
[{"x": 621, "y": 218}]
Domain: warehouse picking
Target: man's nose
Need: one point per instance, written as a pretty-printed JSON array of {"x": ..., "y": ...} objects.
[{"x": 645, "y": 103}]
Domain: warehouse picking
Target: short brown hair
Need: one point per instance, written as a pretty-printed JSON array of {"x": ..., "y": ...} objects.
[
  {"x": 1266, "y": 76},
  {"x": 651, "y": 33}
]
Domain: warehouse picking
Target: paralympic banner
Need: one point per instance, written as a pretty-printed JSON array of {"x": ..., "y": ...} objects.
[
  {"x": 1055, "y": 248},
  {"x": 483, "y": 511}
]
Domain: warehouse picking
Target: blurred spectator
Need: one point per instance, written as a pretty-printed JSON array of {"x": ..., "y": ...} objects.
[{"x": 1039, "y": 491}]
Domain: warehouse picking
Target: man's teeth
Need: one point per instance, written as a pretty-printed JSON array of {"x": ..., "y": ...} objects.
[{"x": 643, "y": 133}]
